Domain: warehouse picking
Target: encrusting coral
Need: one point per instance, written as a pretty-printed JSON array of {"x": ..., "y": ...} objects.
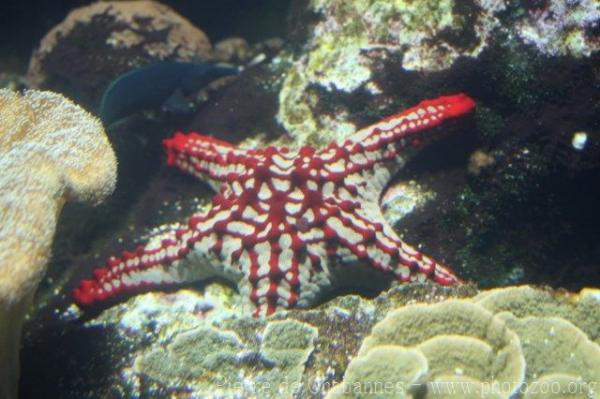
[
  {"x": 51, "y": 151},
  {"x": 219, "y": 361},
  {"x": 479, "y": 348}
]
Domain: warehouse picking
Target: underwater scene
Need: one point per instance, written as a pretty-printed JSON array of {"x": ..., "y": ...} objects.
[{"x": 300, "y": 199}]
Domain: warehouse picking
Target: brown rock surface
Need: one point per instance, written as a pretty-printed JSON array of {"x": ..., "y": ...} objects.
[{"x": 98, "y": 42}]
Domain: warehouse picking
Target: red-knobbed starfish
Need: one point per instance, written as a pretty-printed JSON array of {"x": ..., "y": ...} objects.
[{"x": 286, "y": 225}]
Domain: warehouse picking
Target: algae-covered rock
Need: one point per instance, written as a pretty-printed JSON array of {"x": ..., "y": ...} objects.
[
  {"x": 352, "y": 39},
  {"x": 562, "y": 27}
]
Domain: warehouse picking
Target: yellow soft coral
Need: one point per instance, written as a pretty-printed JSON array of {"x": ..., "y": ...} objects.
[{"x": 51, "y": 151}]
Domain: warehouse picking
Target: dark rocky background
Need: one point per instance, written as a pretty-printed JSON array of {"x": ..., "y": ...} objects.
[
  {"x": 24, "y": 23},
  {"x": 531, "y": 216}
]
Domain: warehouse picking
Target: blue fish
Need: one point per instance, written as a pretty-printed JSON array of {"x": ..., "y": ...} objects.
[{"x": 161, "y": 84}]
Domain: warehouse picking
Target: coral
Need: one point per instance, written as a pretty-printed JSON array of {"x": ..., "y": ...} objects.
[
  {"x": 533, "y": 352},
  {"x": 458, "y": 338},
  {"x": 563, "y": 27},
  {"x": 523, "y": 301},
  {"x": 123, "y": 35},
  {"x": 193, "y": 355},
  {"x": 559, "y": 386},
  {"x": 303, "y": 353},
  {"x": 288, "y": 345},
  {"x": 386, "y": 371},
  {"x": 51, "y": 151},
  {"x": 352, "y": 38},
  {"x": 553, "y": 345},
  {"x": 288, "y": 342},
  {"x": 210, "y": 360}
]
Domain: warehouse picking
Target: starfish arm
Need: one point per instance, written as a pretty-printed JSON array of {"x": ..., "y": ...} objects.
[
  {"x": 146, "y": 268},
  {"x": 365, "y": 233},
  {"x": 212, "y": 160},
  {"x": 178, "y": 255},
  {"x": 389, "y": 138}
]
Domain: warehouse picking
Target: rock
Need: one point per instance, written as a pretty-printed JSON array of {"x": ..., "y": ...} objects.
[
  {"x": 234, "y": 50},
  {"x": 161, "y": 343},
  {"x": 561, "y": 27},
  {"x": 98, "y": 42},
  {"x": 345, "y": 56}
]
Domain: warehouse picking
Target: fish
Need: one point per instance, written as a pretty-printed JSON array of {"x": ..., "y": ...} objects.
[{"x": 162, "y": 84}]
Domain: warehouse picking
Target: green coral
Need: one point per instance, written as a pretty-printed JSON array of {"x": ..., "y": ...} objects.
[
  {"x": 554, "y": 345},
  {"x": 387, "y": 371},
  {"x": 454, "y": 335},
  {"x": 288, "y": 344},
  {"x": 482, "y": 346},
  {"x": 288, "y": 341},
  {"x": 192, "y": 355},
  {"x": 560, "y": 386},
  {"x": 208, "y": 359},
  {"x": 582, "y": 310}
]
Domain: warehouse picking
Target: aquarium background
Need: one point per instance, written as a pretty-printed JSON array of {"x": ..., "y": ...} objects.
[{"x": 505, "y": 196}]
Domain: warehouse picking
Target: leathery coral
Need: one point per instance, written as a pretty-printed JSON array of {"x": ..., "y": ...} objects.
[{"x": 51, "y": 151}]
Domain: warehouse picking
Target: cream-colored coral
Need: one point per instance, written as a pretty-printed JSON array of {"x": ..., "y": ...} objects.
[
  {"x": 514, "y": 342},
  {"x": 554, "y": 345},
  {"x": 582, "y": 310},
  {"x": 387, "y": 371},
  {"x": 51, "y": 151},
  {"x": 458, "y": 339}
]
